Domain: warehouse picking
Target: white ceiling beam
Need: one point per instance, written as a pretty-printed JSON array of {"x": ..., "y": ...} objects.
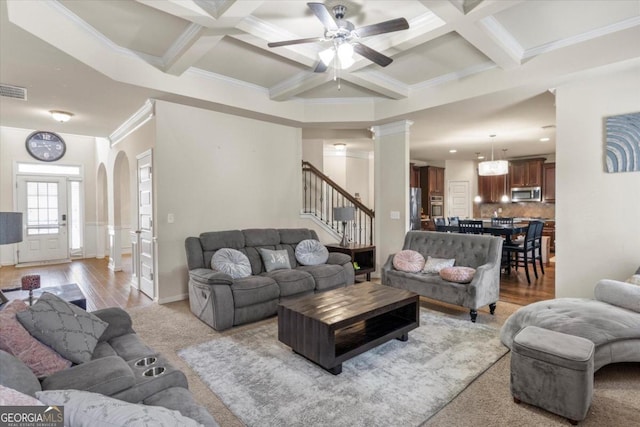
[
  {"x": 185, "y": 9},
  {"x": 297, "y": 84},
  {"x": 490, "y": 39},
  {"x": 192, "y": 45}
]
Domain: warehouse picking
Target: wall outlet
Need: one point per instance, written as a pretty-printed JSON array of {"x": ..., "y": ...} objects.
[
  {"x": 170, "y": 218},
  {"x": 499, "y": 210},
  {"x": 395, "y": 215}
]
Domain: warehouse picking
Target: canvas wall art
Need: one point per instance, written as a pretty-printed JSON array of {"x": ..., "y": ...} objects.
[{"x": 622, "y": 152}]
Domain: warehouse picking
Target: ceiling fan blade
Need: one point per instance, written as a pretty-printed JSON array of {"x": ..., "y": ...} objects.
[
  {"x": 320, "y": 68},
  {"x": 321, "y": 12},
  {"x": 372, "y": 55},
  {"x": 383, "y": 27},
  {"x": 297, "y": 41}
]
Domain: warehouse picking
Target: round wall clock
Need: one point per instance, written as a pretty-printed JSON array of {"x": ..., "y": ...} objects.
[{"x": 46, "y": 146}]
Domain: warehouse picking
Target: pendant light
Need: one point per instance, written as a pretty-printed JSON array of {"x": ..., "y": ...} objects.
[{"x": 493, "y": 167}]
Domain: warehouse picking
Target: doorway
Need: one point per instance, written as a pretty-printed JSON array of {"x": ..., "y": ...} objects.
[{"x": 458, "y": 202}]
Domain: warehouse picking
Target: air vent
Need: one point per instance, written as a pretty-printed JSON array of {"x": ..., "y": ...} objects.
[{"x": 13, "y": 92}]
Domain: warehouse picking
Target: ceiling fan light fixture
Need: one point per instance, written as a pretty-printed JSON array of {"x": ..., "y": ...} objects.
[
  {"x": 493, "y": 168},
  {"x": 326, "y": 56},
  {"x": 345, "y": 55}
]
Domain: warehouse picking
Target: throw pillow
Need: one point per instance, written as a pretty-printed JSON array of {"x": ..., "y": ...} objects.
[
  {"x": 311, "y": 252},
  {"x": 11, "y": 397},
  {"x": 634, "y": 280},
  {"x": 86, "y": 409},
  {"x": 275, "y": 260},
  {"x": 232, "y": 262},
  {"x": 409, "y": 261},
  {"x": 16, "y": 340},
  {"x": 65, "y": 327},
  {"x": 458, "y": 274},
  {"x": 434, "y": 265}
]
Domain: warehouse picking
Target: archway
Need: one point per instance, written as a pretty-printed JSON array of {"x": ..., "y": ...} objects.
[
  {"x": 102, "y": 208},
  {"x": 122, "y": 219}
]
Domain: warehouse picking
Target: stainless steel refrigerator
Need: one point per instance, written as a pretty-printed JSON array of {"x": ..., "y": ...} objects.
[{"x": 415, "y": 207}]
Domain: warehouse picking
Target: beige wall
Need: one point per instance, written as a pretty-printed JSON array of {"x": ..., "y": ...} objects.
[
  {"x": 80, "y": 151},
  {"x": 219, "y": 172},
  {"x": 597, "y": 213}
]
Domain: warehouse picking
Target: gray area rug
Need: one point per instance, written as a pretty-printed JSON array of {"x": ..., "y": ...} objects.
[{"x": 398, "y": 383}]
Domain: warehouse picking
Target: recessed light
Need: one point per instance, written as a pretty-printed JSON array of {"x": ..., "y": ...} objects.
[
  {"x": 545, "y": 139},
  {"x": 480, "y": 157},
  {"x": 340, "y": 147},
  {"x": 453, "y": 151}
]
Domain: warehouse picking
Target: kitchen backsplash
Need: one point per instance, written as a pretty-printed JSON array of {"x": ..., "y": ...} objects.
[{"x": 519, "y": 210}]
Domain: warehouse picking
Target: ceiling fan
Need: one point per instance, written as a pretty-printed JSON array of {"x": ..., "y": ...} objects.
[{"x": 345, "y": 37}]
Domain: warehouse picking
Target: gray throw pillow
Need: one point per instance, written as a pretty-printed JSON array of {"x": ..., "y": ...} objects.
[
  {"x": 434, "y": 265},
  {"x": 275, "y": 260},
  {"x": 232, "y": 262},
  {"x": 311, "y": 252},
  {"x": 68, "y": 329},
  {"x": 86, "y": 409}
]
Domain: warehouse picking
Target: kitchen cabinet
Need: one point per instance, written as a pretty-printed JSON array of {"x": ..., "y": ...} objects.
[
  {"x": 549, "y": 182},
  {"x": 414, "y": 176},
  {"x": 492, "y": 188},
  {"x": 525, "y": 173},
  {"x": 549, "y": 229},
  {"x": 435, "y": 180}
]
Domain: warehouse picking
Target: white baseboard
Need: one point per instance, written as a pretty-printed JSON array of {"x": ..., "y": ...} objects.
[{"x": 174, "y": 298}]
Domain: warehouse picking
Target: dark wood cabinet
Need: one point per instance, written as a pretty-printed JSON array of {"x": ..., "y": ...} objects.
[
  {"x": 435, "y": 180},
  {"x": 414, "y": 176},
  {"x": 549, "y": 182},
  {"x": 363, "y": 255},
  {"x": 525, "y": 173},
  {"x": 492, "y": 188}
]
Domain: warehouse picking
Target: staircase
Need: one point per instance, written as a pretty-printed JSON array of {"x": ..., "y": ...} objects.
[{"x": 321, "y": 195}]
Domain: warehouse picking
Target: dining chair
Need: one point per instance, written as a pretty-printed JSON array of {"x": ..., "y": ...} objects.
[
  {"x": 454, "y": 220},
  {"x": 470, "y": 226},
  {"x": 521, "y": 255},
  {"x": 439, "y": 224},
  {"x": 502, "y": 221}
]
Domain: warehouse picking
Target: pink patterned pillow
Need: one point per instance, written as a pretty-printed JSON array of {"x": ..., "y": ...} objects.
[
  {"x": 409, "y": 261},
  {"x": 11, "y": 397},
  {"x": 458, "y": 274},
  {"x": 15, "y": 340}
]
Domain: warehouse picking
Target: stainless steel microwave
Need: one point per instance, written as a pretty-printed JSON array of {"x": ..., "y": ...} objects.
[{"x": 526, "y": 194}]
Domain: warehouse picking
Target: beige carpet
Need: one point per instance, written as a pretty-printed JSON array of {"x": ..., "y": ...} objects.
[{"x": 487, "y": 401}]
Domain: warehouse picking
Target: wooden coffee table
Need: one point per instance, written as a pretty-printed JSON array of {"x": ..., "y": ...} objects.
[{"x": 331, "y": 327}]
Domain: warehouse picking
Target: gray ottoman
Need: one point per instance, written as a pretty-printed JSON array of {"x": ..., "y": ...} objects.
[{"x": 553, "y": 371}]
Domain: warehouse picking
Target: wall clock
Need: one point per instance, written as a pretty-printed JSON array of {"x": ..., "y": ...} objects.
[{"x": 46, "y": 146}]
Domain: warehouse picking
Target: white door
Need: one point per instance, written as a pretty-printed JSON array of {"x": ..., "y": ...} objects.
[
  {"x": 459, "y": 199},
  {"x": 146, "y": 252},
  {"x": 43, "y": 203}
]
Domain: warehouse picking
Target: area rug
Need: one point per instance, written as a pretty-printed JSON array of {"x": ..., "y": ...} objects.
[{"x": 398, "y": 383}]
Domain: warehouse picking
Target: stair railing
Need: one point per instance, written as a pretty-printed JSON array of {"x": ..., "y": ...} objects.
[{"x": 321, "y": 195}]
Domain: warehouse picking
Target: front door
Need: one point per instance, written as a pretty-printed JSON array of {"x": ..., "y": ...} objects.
[
  {"x": 145, "y": 224},
  {"x": 43, "y": 203}
]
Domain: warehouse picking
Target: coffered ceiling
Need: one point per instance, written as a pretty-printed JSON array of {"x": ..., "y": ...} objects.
[{"x": 463, "y": 70}]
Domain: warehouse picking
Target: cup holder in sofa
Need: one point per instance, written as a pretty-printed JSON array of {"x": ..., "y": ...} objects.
[
  {"x": 146, "y": 361},
  {"x": 154, "y": 372}
]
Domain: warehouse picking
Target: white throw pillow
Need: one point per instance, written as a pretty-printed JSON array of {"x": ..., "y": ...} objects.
[
  {"x": 275, "y": 260},
  {"x": 634, "y": 280},
  {"x": 311, "y": 252},
  {"x": 232, "y": 262},
  {"x": 434, "y": 265}
]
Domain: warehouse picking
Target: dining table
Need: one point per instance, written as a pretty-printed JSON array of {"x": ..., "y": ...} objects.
[{"x": 495, "y": 230}]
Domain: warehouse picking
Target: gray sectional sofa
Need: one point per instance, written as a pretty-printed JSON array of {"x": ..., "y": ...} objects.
[
  {"x": 222, "y": 302},
  {"x": 112, "y": 372},
  {"x": 480, "y": 252}
]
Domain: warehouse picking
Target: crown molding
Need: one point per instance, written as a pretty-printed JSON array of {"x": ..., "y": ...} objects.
[
  {"x": 199, "y": 72},
  {"x": 500, "y": 34},
  {"x": 139, "y": 118},
  {"x": 457, "y": 75},
  {"x": 394, "y": 128},
  {"x": 191, "y": 33}
]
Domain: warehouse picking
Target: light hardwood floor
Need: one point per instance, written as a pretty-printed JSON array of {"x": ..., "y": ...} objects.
[{"x": 104, "y": 288}]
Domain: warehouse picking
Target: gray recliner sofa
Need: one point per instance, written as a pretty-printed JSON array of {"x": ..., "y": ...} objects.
[
  {"x": 222, "y": 302},
  {"x": 113, "y": 371},
  {"x": 480, "y": 252}
]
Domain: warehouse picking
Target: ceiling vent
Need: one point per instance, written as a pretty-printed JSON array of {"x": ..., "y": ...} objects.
[{"x": 13, "y": 92}]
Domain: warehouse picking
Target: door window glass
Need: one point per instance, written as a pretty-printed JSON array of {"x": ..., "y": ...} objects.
[{"x": 42, "y": 208}]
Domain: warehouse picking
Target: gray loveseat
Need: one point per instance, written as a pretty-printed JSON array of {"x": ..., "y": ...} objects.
[
  {"x": 222, "y": 302},
  {"x": 113, "y": 372},
  {"x": 611, "y": 321},
  {"x": 480, "y": 252}
]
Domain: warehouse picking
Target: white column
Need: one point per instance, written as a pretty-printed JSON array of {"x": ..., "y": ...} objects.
[
  {"x": 115, "y": 248},
  {"x": 391, "y": 170}
]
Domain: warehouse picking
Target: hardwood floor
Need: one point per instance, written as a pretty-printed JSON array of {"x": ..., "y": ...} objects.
[
  {"x": 102, "y": 287},
  {"x": 515, "y": 289}
]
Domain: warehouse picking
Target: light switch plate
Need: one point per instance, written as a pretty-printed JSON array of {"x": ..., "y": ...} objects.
[
  {"x": 395, "y": 215},
  {"x": 170, "y": 218}
]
